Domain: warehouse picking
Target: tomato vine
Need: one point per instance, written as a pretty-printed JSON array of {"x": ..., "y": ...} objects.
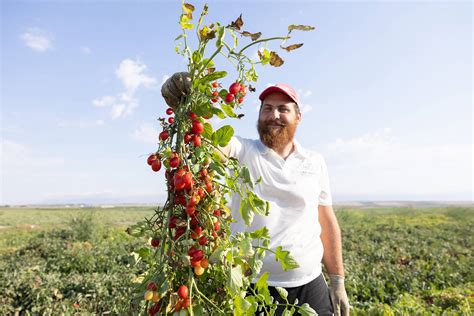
[{"x": 194, "y": 263}]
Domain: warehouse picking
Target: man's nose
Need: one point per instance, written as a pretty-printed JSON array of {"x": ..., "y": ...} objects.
[{"x": 276, "y": 113}]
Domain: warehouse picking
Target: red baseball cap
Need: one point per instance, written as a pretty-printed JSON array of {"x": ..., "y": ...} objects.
[{"x": 282, "y": 88}]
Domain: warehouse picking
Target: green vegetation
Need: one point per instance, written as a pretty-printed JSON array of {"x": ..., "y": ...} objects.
[{"x": 399, "y": 261}]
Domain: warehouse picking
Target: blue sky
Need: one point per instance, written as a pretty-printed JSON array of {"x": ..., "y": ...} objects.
[{"x": 386, "y": 89}]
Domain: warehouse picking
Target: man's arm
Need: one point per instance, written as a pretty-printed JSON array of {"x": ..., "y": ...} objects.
[
  {"x": 331, "y": 239},
  {"x": 332, "y": 259}
]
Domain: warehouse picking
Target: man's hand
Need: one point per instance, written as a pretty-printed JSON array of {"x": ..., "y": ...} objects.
[
  {"x": 175, "y": 88},
  {"x": 339, "y": 299}
]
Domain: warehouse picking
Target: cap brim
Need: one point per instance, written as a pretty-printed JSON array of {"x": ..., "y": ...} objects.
[{"x": 274, "y": 89}]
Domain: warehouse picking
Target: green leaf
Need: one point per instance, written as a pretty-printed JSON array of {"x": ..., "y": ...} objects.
[
  {"x": 260, "y": 233},
  {"x": 241, "y": 305},
  {"x": 283, "y": 293},
  {"x": 245, "y": 247},
  {"x": 220, "y": 35},
  {"x": 223, "y": 135},
  {"x": 213, "y": 76},
  {"x": 257, "y": 204},
  {"x": 286, "y": 312},
  {"x": 306, "y": 310},
  {"x": 218, "y": 112},
  {"x": 246, "y": 212},
  {"x": 262, "y": 287},
  {"x": 245, "y": 174},
  {"x": 218, "y": 167},
  {"x": 207, "y": 131},
  {"x": 251, "y": 74},
  {"x": 236, "y": 40},
  {"x": 286, "y": 260},
  {"x": 236, "y": 276},
  {"x": 228, "y": 110},
  {"x": 144, "y": 252}
]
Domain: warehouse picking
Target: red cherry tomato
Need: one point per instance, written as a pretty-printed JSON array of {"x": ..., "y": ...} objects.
[
  {"x": 198, "y": 128},
  {"x": 151, "y": 158},
  {"x": 164, "y": 135},
  {"x": 234, "y": 88},
  {"x": 215, "y": 84},
  {"x": 169, "y": 111},
  {"x": 183, "y": 291},
  {"x": 171, "y": 120},
  {"x": 229, "y": 97},
  {"x": 196, "y": 140},
  {"x": 156, "y": 165}
]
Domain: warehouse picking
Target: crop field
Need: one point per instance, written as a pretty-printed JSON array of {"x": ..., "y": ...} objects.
[{"x": 398, "y": 261}]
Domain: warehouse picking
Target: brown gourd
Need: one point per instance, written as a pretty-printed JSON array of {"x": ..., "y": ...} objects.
[{"x": 175, "y": 88}]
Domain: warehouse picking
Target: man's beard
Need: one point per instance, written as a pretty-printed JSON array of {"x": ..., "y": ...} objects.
[{"x": 276, "y": 137}]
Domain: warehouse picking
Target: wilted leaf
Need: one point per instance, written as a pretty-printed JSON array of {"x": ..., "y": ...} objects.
[
  {"x": 254, "y": 36},
  {"x": 206, "y": 33},
  {"x": 300, "y": 27},
  {"x": 237, "y": 24},
  {"x": 188, "y": 9},
  {"x": 292, "y": 47},
  {"x": 210, "y": 70},
  {"x": 252, "y": 89},
  {"x": 203, "y": 13},
  {"x": 275, "y": 60}
]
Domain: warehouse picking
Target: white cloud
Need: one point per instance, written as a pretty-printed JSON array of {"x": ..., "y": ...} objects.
[
  {"x": 378, "y": 164},
  {"x": 104, "y": 101},
  {"x": 37, "y": 39},
  {"x": 146, "y": 133},
  {"x": 305, "y": 108},
  {"x": 305, "y": 93},
  {"x": 85, "y": 50},
  {"x": 131, "y": 74}
]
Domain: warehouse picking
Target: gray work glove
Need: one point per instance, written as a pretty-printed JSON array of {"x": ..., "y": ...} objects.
[
  {"x": 175, "y": 88},
  {"x": 339, "y": 299}
]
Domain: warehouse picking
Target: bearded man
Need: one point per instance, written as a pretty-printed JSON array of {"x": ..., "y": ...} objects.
[{"x": 301, "y": 219}]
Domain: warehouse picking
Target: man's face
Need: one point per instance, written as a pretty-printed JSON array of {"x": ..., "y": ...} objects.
[{"x": 277, "y": 120}]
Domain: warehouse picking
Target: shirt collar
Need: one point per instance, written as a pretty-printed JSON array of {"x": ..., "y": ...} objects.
[{"x": 299, "y": 150}]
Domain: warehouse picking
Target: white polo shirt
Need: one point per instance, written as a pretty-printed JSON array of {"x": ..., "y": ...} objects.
[{"x": 294, "y": 188}]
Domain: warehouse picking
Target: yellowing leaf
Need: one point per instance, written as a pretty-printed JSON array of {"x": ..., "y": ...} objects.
[
  {"x": 206, "y": 33},
  {"x": 292, "y": 47}
]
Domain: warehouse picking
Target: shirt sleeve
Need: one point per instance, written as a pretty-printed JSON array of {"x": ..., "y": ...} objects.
[
  {"x": 325, "y": 197},
  {"x": 236, "y": 147}
]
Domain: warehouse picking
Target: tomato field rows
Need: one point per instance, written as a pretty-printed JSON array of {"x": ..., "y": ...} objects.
[{"x": 398, "y": 260}]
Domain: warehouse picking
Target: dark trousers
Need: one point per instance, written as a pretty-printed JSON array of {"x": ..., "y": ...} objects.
[{"x": 315, "y": 293}]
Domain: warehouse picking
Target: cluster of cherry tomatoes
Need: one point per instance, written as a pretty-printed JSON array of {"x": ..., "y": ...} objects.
[{"x": 235, "y": 94}]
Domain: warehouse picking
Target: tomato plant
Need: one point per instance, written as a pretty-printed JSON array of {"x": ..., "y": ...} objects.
[{"x": 198, "y": 264}]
